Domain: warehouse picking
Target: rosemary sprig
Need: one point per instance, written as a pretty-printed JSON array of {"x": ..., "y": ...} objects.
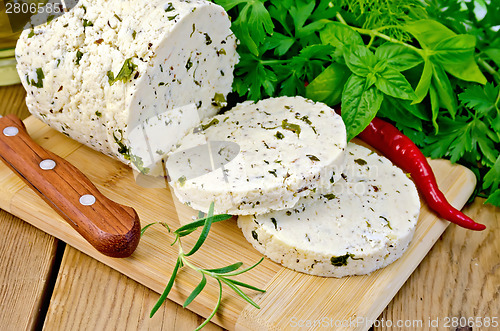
[{"x": 220, "y": 274}]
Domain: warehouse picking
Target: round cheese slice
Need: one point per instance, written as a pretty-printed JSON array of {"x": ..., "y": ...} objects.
[
  {"x": 129, "y": 78},
  {"x": 288, "y": 147},
  {"x": 362, "y": 223}
]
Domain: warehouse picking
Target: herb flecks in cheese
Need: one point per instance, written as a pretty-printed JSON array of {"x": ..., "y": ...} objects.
[
  {"x": 274, "y": 167},
  {"x": 127, "y": 59},
  {"x": 125, "y": 73},
  {"x": 38, "y": 83},
  {"x": 352, "y": 229}
]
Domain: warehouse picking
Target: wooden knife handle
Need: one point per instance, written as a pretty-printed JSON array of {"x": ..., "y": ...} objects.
[{"x": 113, "y": 229}]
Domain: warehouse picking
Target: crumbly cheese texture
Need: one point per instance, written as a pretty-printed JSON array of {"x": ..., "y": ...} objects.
[
  {"x": 364, "y": 222},
  {"x": 288, "y": 148},
  {"x": 129, "y": 77}
]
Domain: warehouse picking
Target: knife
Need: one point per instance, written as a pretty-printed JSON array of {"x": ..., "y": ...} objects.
[{"x": 111, "y": 228}]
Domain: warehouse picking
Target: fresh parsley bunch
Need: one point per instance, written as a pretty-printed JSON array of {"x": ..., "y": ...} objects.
[{"x": 429, "y": 67}]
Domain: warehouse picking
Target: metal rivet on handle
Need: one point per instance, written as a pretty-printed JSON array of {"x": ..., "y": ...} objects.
[
  {"x": 47, "y": 164},
  {"x": 87, "y": 200},
  {"x": 10, "y": 131}
]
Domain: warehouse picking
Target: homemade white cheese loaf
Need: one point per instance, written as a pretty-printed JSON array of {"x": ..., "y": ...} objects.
[
  {"x": 129, "y": 77},
  {"x": 364, "y": 222},
  {"x": 288, "y": 147}
]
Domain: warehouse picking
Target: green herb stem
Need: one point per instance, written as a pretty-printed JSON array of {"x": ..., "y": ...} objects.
[
  {"x": 220, "y": 274},
  {"x": 271, "y": 62},
  {"x": 214, "y": 311},
  {"x": 489, "y": 69},
  {"x": 375, "y": 33}
]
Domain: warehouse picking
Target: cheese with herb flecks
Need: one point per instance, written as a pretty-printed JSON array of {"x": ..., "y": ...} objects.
[
  {"x": 362, "y": 223},
  {"x": 288, "y": 148},
  {"x": 129, "y": 78}
]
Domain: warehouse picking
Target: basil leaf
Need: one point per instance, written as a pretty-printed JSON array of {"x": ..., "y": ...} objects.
[
  {"x": 424, "y": 82},
  {"x": 398, "y": 56},
  {"x": 327, "y": 86},
  {"x": 393, "y": 83},
  {"x": 428, "y": 32},
  {"x": 494, "y": 55},
  {"x": 340, "y": 36},
  {"x": 442, "y": 84},
  {"x": 434, "y": 107},
  {"x": 359, "y": 105},
  {"x": 456, "y": 55},
  {"x": 454, "y": 49},
  {"x": 360, "y": 60},
  {"x": 399, "y": 111}
]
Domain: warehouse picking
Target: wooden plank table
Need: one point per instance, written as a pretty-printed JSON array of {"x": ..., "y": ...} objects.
[{"x": 45, "y": 284}]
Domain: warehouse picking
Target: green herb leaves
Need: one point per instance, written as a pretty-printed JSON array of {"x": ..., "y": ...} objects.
[
  {"x": 222, "y": 275},
  {"x": 372, "y": 77},
  {"x": 368, "y": 76},
  {"x": 252, "y": 23},
  {"x": 39, "y": 79},
  {"x": 361, "y": 104},
  {"x": 406, "y": 62},
  {"x": 125, "y": 73}
]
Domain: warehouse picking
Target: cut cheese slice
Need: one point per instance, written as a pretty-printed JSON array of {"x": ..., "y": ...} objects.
[
  {"x": 288, "y": 147},
  {"x": 129, "y": 78},
  {"x": 362, "y": 223}
]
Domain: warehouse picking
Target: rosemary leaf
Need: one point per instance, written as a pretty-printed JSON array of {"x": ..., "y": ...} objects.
[
  {"x": 219, "y": 274},
  {"x": 219, "y": 300},
  {"x": 204, "y": 232},
  {"x": 187, "y": 232},
  {"x": 196, "y": 291},
  {"x": 196, "y": 224},
  {"x": 247, "y": 286},
  {"x": 165, "y": 293},
  {"x": 239, "y": 272},
  {"x": 229, "y": 282},
  {"x": 227, "y": 269},
  {"x": 150, "y": 224}
]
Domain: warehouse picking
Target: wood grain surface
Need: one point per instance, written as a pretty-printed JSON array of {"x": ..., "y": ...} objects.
[
  {"x": 153, "y": 261},
  {"x": 459, "y": 277},
  {"x": 113, "y": 229},
  {"x": 91, "y": 296},
  {"x": 27, "y": 255},
  {"x": 458, "y": 282},
  {"x": 27, "y": 258}
]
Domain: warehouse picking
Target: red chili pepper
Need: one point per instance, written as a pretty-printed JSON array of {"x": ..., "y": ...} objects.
[{"x": 405, "y": 154}]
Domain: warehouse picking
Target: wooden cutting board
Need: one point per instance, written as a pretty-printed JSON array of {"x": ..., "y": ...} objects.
[{"x": 291, "y": 300}]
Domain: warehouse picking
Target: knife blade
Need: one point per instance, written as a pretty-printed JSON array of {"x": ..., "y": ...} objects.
[{"x": 111, "y": 228}]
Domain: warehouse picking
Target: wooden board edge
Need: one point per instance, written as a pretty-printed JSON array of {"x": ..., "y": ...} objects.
[
  {"x": 11, "y": 184},
  {"x": 87, "y": 249},
  {"x": 457, "y": 194},
  {"x": 48, "y": 221}
]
